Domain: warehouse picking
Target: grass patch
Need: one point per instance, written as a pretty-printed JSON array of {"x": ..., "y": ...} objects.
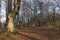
[
  {"x": 1, "y": 33},
  {"x": 7, "y": 34}
]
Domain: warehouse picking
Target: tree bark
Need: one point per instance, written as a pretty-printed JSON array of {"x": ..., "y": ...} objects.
[
  {"x": 10, "y": 24},
  {"x": 11, "y": 16}
]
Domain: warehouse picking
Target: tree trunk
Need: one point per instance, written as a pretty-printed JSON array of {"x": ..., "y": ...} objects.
[
  {"x": 10, "y": 24},
  {"x": 11, "y": 16}
]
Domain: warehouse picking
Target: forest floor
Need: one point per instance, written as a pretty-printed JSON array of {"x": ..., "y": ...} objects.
[{"x": 34, "y": 33}]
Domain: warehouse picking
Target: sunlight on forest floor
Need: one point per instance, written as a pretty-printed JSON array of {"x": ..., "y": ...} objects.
[{"x": 28, "y": 34}]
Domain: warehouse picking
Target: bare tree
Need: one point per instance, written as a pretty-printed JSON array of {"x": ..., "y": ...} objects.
[{"x": 11, "y": 15}]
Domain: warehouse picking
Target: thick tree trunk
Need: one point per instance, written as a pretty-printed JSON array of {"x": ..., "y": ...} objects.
[
  {"x": 10, "y": 24},
  {"x": 11, "y": 16}
]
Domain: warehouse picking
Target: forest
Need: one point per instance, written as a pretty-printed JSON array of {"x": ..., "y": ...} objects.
[{"x": 29, "y": 19}]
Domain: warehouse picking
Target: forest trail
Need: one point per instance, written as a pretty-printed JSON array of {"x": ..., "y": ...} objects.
[{"x": 33, "y": 34}]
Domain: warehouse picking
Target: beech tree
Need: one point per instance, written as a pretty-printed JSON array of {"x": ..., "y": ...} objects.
[{"x": 11, "y": 15}]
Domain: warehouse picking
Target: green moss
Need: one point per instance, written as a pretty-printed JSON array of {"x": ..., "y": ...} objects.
[{"x": 0, "y": 33}]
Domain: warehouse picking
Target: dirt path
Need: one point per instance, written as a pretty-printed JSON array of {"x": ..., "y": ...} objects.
[
  {"x": 32, "y": 36},
  {"x": 41, "y": 34}
]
